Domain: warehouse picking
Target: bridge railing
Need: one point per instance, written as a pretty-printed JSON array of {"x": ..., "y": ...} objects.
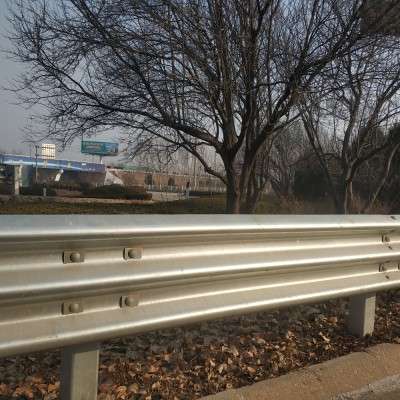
[{"x": 72, "y": 281}]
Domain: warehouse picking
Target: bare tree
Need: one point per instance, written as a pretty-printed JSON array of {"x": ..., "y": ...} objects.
[
  {"x": 225, "y": 74},
  {"x": 348, "y": 118},
  {"x": 276, "y": 164},
  {"x": 289, "y": 149},
  {"x": 383, "y": 173}
]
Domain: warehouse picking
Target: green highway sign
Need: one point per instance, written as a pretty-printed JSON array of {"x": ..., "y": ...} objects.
[{"x": 99, "y": 148}]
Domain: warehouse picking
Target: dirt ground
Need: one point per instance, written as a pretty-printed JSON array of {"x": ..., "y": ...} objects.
[{"x": 208, "y": 205}]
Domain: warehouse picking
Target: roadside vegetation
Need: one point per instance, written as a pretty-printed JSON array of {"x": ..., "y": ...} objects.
[
  {"x": 269, "y": 204},
  {"x": 230, "y": 83}
]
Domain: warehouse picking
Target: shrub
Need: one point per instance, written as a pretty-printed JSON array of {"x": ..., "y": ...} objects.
[
  {"x": 118, "y": 192},
  {"x": 36, "y": 190},
  {"x": 85, "y": 186},
  {"x": 309, "y": 183},
  {"x": 5, "y": 189},
  {"x": 202, "y": 193},
  {"x": 65, "y": 186}
]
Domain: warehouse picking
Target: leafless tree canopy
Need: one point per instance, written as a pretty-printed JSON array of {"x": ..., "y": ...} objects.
[
  {"x": 356, "y": 104},
  {"x": 225, "y": 74}
]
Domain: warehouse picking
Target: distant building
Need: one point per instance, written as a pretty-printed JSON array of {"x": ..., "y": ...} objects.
[
  {"x": 164, "y": 181},
  {"x": 21, "y": 171}
]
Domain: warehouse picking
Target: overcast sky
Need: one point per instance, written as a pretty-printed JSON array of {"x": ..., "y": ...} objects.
[{"x": 13, "y": 117}]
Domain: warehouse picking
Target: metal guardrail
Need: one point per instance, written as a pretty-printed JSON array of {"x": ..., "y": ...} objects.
[{"x": 71, "y": 281}]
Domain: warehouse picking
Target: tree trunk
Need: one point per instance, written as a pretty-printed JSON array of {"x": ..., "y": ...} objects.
[
  {"x": 253, "y": 194},
  {"x": 340, "y": 203},
  {"x": 252, "y": 202},
  {"x": 249, "y": 193},
  {"x": 232, "y": 201},
  {"x": 349, "y": 197},
  {"x": 345, "y": 197},
  {"x": 232, "y": 192},
  {"x": 382, "y": 179}
]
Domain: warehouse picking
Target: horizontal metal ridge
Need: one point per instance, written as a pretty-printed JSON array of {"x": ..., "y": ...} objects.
[
  {"x": 59, "y": 281},
  {"x": 56, "y": 227}
]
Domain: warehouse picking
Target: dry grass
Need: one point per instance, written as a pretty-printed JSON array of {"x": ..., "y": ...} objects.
[{"x": 211, "y": 205}]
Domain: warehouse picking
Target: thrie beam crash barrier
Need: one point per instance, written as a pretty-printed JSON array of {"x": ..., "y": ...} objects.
[{"x": 72, "y": 281}]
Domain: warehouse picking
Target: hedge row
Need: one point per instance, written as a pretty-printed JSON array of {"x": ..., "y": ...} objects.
[
  {"x": 80, "y": 187},
  {"x": 36, "y": 190},
  {"x": 101, "y": 192},
  {"x": 202, "y": 193},
  {"x": 4, "y": 188}
]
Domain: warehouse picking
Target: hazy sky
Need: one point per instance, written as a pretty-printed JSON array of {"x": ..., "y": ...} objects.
[{"x": 13, "y": 117}]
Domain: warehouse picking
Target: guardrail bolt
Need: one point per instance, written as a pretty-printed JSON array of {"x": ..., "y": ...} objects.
[
  {"x": 75, "y": 257},
  {"x": 132, "y": 254},
  {"x": 129, "y": 301},
  {"x": 74, "y": 308},
  {"x": 386, "y": 238}
]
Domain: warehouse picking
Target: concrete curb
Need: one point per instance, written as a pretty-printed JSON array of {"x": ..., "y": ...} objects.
[
  {"x": 388, "y": 388},
  {"x": 324, "y": 381}
]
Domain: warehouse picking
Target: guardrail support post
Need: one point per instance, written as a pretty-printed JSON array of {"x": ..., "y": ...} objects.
[
  {"x": 79, "y": 372},
  {"x": 361, "y": 318}
]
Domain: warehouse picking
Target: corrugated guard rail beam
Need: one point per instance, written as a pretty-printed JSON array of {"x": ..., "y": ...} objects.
[{"x": 72, "y": 281}]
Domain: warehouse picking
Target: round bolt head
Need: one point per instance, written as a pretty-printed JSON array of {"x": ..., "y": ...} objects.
[
  {"x": 131, "y": 301},
  {"x": 74, "y": 308},
  {"x": 132, "y": 253},
  {"x": 75, "y": 257}
]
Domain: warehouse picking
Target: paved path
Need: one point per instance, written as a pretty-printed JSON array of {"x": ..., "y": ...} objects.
[{"x": 370, "y": 375}]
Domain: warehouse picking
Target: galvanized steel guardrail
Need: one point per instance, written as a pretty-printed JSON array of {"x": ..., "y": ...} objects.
[{"x": 71, "y": 281}]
